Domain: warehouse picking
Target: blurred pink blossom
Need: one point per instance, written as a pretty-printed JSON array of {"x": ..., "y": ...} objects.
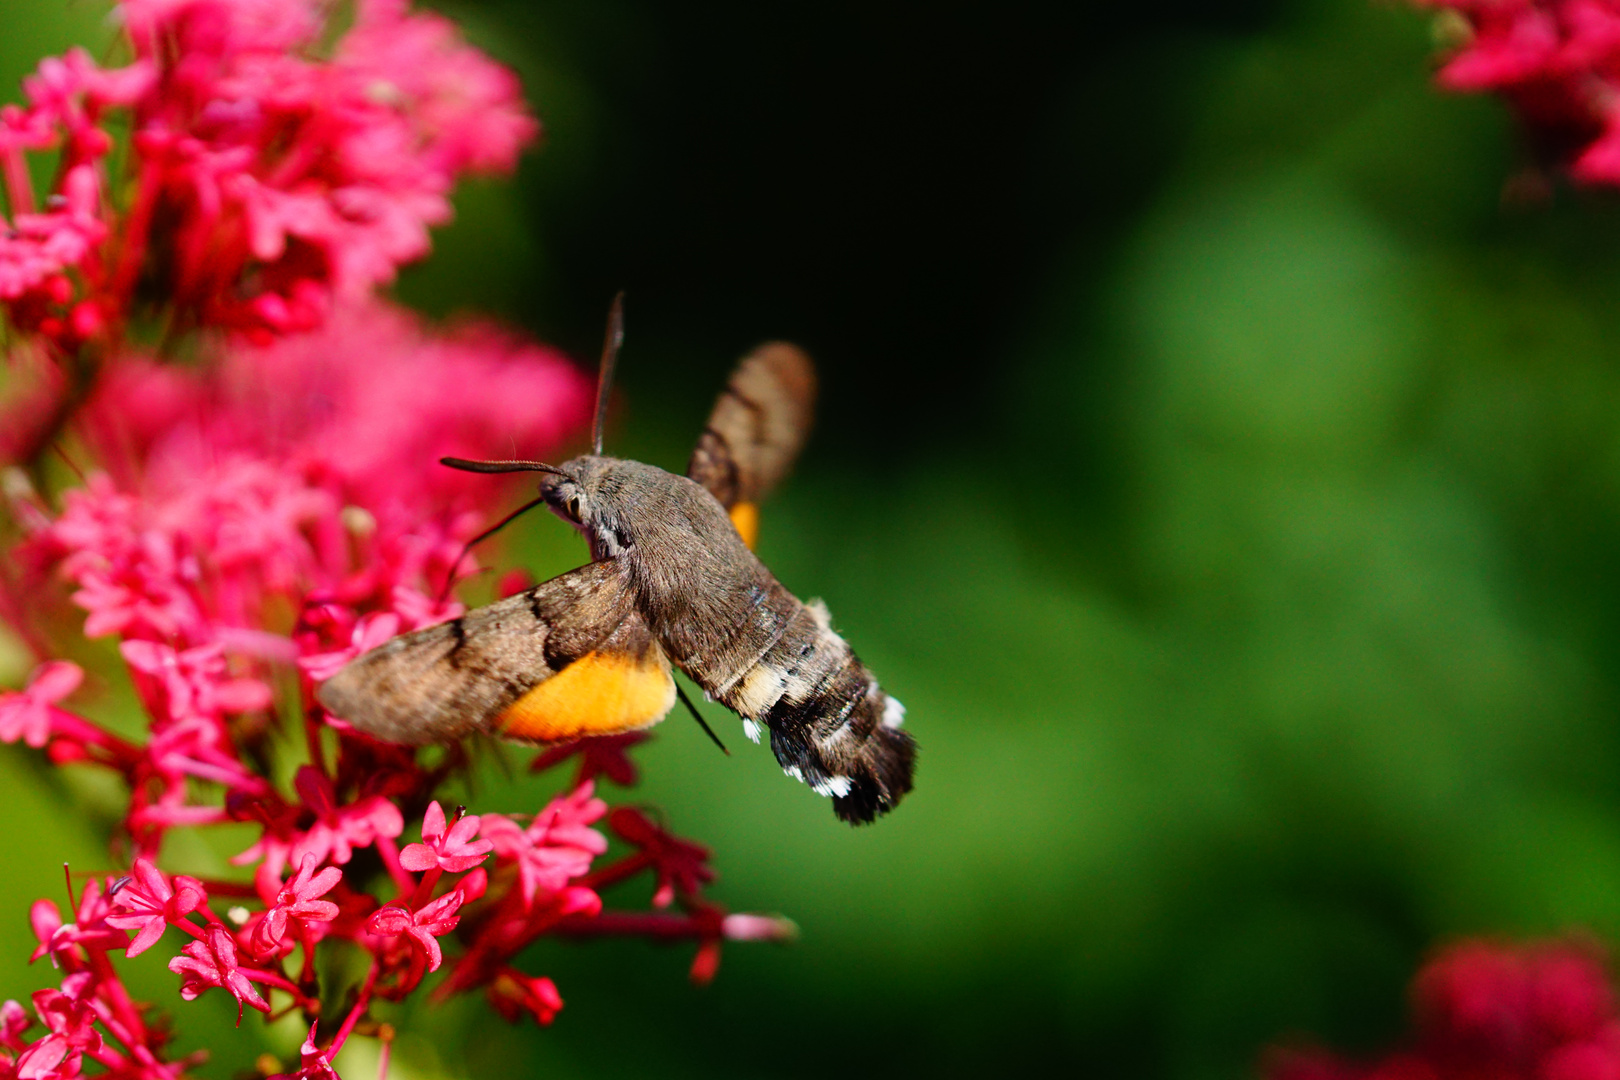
[
  {"x": 338, "y": 830},
  {"x": 26, "y": 714},
  {"x": 1556, "y": 61},
  {"x": 1543, "y": 1011},
  {"x": 682, "y": 866},
  {"x": 515, "y": 995}
]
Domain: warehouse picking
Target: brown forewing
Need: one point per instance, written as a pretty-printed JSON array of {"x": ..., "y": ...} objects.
[{"x": 441, "y": 682}]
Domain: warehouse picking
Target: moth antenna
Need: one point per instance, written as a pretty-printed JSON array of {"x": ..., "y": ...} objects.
[
  {"x": 466, "y": 465},
  {"x": 604, "y": 371},
  {"x": 450, "y": 575},
  {"x": 699, "y": 718}
]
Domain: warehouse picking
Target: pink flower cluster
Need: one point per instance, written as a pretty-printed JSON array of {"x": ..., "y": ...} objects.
[
  {"x": 260, "y": 520},
  {"x": 1557, "y": 62},
  {"x": 270, "y": 170},
  {"x": 256, "y": 518},
  {"x": 1538, "y": 1012},
  {"x": 90, "y": 1015}
]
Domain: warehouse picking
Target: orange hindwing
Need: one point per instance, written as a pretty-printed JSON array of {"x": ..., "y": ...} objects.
[{"x": 601, "y": 693}]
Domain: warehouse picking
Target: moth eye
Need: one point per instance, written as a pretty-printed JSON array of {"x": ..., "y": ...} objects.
[{"x": 573, "y": 507}]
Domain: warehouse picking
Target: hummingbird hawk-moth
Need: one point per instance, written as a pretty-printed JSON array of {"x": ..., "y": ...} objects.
[{"x": 673, "y": 580}]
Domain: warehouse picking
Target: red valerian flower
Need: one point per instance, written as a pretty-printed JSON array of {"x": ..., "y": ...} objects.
[
  {"x": 1544, "y": 1011},
  {"x": 338, "y": 830},
  {"x": 70, "y": 1021},
  {"x": 424, "y": 927},
  {"x": 452, "y": 849},
  {"x": 89, "y": 928},
  {"x": 146, "y": 901},
  {"x": 516, "y": 995},
  {"x": 682, "y": 866},
  {"x": 314, "y": 1062},
  {"x": 600, "y": 755},
  {"x": 298, "y": 900},
  {"x": 45, "y": 919},
  {"x": 211, "y": 962},
  {"x": 285, "y": 180},
  {"x": 39, "y": 246},
  {"x": 556, "y": 847},
  {"x": 13, "y": 1022},
  {"x": 193, "y": 681},
  {"x": 370, "y": 631},
  {"x": 1556, "y": 61},
  {"x": 26, "y": 714}
]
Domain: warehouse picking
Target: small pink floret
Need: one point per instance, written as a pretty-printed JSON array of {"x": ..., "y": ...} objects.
[
  {"x": 452, "y": 849},
  {"x": 26, "y": 714},
  {"x": 211, "y": 962},
  {"x": 424, "y": 927},
  {"x": 297, "y": 902},
  {"x": 556, "y": 847},
  {"x": 147, "y": 903}
]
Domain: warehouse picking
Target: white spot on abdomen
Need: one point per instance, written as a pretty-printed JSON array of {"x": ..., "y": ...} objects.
[
  {"x": 759, "y": 690},
  {"x": 752, "y": 730},
  {"x": 833, "y": 786},
  {"x": 819, "y": 612},
  {"x": 894, "y": 713}
]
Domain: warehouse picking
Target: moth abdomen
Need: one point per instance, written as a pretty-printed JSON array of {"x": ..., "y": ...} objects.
[
  {"x": 848, "y": 753},
  {"x": 831, "y": 725},
  {"x": 882, "y": 770}
]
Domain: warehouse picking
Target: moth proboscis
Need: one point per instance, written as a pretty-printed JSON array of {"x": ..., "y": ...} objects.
[{"x": 673, "y": 579}]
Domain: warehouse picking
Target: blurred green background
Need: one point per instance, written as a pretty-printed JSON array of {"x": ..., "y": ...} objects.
[{"x": 1223, "y": 473}]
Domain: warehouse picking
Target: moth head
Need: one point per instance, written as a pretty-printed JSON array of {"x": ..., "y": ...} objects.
[
  {"x": 576, "y": 492},
  {"x": 566, "y": 496}
]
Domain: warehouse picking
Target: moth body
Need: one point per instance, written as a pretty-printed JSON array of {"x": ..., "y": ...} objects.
[
  {"x": 722, "y": 617},
  {"x": 671, "y": 581}
]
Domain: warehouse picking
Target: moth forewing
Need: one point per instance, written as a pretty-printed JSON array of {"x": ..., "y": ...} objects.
[
  {"x": 407, "y": 690},
  {"x": 444, "y": 681}
]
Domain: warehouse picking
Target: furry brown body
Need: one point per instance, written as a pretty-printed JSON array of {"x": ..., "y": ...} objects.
[{"x": 725, "y": 620}]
